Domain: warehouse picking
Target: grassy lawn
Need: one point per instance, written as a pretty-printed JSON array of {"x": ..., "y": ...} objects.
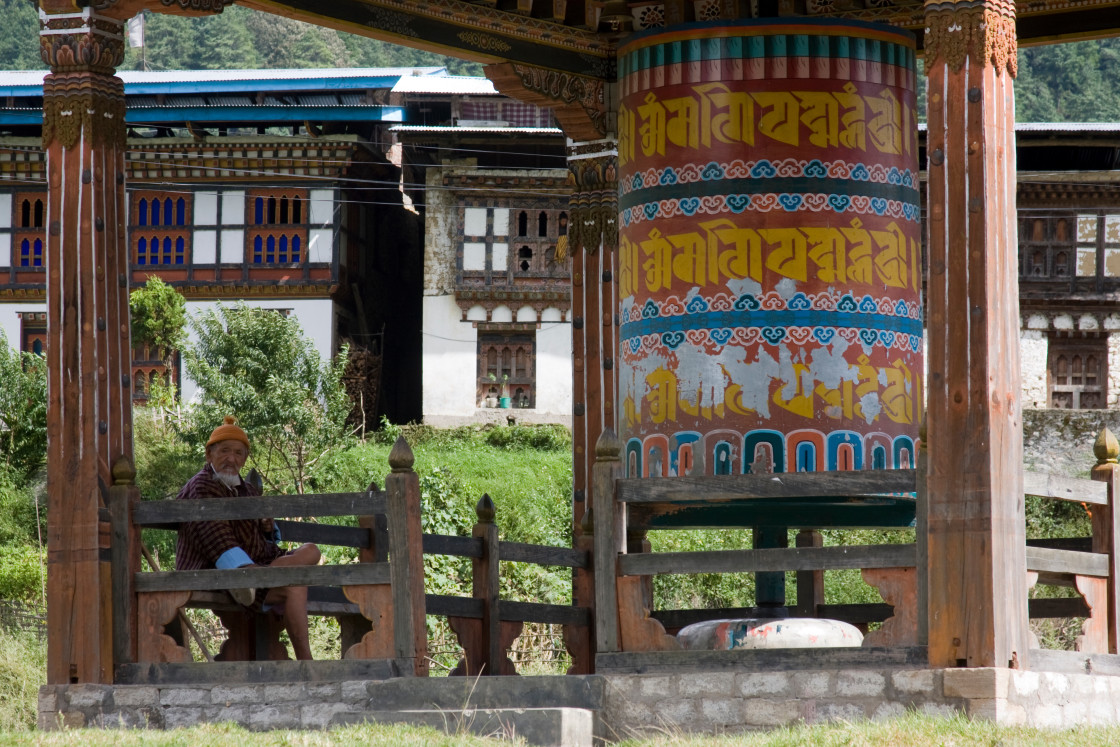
[{"x": 910, "y": 731}]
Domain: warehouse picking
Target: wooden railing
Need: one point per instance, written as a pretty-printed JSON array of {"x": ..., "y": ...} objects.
[
  {"x": 874, "y": 499},
  {"x": 380, "y": 601}
]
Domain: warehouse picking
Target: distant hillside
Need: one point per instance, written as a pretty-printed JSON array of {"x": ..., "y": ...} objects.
[
  {"x": 237, "y": 38},
  {"x": 1056, "y": 83}
]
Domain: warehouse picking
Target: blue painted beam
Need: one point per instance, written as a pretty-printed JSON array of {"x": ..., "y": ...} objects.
[{"x": 233, "y": 114}]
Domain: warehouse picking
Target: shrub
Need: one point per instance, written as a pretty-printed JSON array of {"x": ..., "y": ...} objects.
[{"x": 22, "y": 572}]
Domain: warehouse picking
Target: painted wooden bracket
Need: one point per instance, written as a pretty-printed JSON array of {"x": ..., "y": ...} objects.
[
  {"x": 154, "y": 610},
  {"x": 899, "y": 588}
]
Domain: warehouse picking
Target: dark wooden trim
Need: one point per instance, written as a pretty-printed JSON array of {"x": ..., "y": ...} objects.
[
  {"x": 453, "y": 606},
  {"x": 520, "y": 552},
  {"x": 685, "y": 490},
  {"x": 245, "y": 672},
  {"x": 856, "y": 614},
  {"x": 1059, "y": 487},
  {"x": 323, "y": 534},
  {"x": 1060, "y": 607},
  {"x": 549, "y": 614},
  {"x": 775, "y": 559},
  {"x": 445, "y": 544},
  {"x": 1076, "y": 544},
  {"x": 171, "y": 512},
  {"x": 765, "y": 660},
  {"x": 1046, "y": 560},
  {"x": 264, "y": 577}
]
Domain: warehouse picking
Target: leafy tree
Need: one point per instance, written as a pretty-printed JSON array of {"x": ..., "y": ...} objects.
[
  {"x": 23, "y": 411},
  {"x": 19, "y": 44},
  {"x": 257, "y": 365},
  {"x": 159, "y": 319}
]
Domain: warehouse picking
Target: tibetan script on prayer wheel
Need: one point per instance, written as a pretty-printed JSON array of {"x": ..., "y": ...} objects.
[{"x": 769, "y": 249}]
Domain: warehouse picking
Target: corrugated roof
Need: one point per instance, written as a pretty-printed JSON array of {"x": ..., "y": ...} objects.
[
  {"x": 30, "y": 82},
  {"x": 446, "y": 84},
  {"x": 450, "y": 130}
]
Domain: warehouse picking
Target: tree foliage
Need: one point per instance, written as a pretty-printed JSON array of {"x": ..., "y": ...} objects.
[
  {"x": 257, "y": 365},
  {"x": 23, "y": 411},
  {"x": 159, "y": 317}
]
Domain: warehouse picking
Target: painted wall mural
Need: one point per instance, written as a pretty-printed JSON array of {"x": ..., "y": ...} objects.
[{"x": 769, "y": 249}]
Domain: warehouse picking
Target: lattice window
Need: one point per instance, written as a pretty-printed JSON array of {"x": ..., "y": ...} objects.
[
  {"x": 507, "y": 362},
  {"x": 1049, "y": 247},
  {"x": 160, "y": 231},
  {"x": 33, "y": 332},
  {"x": 1078, "y": 371},
  {"x": 278, "y": 226},
  {"x": 29, "y": 235}
]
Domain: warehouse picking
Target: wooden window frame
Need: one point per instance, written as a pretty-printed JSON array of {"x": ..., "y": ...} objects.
[
  {"x": 160, "y": 238},
  {"x": 1067, "y": 388},
  {"x": 499, "y": 346},
  {"x": 277, "y": 223}
]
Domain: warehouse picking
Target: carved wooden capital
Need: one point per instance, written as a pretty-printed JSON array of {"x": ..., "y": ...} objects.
[
  {"x": 593, "y": 176},
  {"x": 77, "y": 103},
  {"x": 83, "y": 41},
  {"x": 578, "y": 102},
  {"x": 983, "y": 30}
]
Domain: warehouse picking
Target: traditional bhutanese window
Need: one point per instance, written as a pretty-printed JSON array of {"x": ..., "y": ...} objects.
[
  {"x": 1077, "y": 370},
  {"x": 160, "y": 228},
  {"x": 148, "y": 367},
  {"x": 507, "y": 362},
  {"x": 278, "y": 225},
  {"x": 29, "y": 235},
  {"x": 33, "y": 332}
]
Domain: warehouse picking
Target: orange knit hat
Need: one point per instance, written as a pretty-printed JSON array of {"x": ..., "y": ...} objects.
[{"x": 228, "y": 431}]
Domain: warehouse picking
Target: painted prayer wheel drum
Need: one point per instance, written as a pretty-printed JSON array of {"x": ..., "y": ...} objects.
[{"x": 769, "y": 249}]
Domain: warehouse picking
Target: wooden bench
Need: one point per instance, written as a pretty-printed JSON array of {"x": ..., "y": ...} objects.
[{"x": 380, "y": 604}]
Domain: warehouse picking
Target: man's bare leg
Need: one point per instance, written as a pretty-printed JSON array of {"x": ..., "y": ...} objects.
[{"x": 293, "y": 599}]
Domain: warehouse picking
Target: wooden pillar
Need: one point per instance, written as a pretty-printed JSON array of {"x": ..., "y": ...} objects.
[
  {"x": 976, "y": 549},
  {"x": 89, "y": 421},
  {"x": 593, "y": 239}
]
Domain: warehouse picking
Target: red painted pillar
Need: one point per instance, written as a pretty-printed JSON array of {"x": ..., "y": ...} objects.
[
  {"x": 89, "y": 423},
  {"x": 977, "y": 548},
  {"x": 593, "y": 238}
]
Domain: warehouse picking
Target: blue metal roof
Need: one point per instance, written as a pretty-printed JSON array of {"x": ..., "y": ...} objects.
[{"x": 30, "y": 82}]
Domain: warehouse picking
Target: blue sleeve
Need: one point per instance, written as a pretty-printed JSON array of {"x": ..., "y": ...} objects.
[{"x": 234, "y": 557}]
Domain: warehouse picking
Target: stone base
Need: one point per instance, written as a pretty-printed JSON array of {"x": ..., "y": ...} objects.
[{"x": 611, "y": 706}]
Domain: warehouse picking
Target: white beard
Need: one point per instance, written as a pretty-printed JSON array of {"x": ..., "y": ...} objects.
[{"x": 229, "y": 480}]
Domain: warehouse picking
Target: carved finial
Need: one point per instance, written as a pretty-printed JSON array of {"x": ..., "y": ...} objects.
[
  {"x": 1106, "y": 448},
  {"x": 587, "y": 523},
  {"x": 485, "y": 509},
  {"x": 374, "y": 487},
  {"x": 123, "y": 471},
  {"x": 400, "y": 457},
  {"x": 608, "y": 447},
  {"x": 923, "y": 431},
  {"x": 255, "y": 479}
]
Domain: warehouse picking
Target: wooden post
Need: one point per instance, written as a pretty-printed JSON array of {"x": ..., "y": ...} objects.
[
  {"x": 406, "y": 559},
  {"x": 921, "y": 534},
  {"x": 89, "y": 407},
  {"x": 770, "y": 586},
  {"x": 810, "y": 584},
  {"x": 578, "y": 639},
  {"x": 609, "y": 522},
  {"x": 486, "y": 586},
  {"x": 977, "y": 543},
  {"x": 124, "y": 559},
  {"x": 1106, "y": 528}
]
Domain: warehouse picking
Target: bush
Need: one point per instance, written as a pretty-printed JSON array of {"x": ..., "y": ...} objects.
[
  {"x": 18, "y": 521},
  {"x": 22, "y": 572}
]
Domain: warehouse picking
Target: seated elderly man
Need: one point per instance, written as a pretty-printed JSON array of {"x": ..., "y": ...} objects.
[{"x": 242, "y": 542}]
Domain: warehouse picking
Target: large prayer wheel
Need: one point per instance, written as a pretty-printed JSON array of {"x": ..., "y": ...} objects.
[{"x": 770, "y": 255}]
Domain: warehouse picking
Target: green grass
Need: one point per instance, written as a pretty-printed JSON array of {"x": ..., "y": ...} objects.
[
  {"x": 909, "y": 731},
  {"x": 23, "y": 667}
]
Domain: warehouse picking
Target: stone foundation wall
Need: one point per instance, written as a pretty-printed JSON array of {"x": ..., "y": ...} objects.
[
  {"x": 624, "y": 705},
  {"x": 720, "y": 702}
]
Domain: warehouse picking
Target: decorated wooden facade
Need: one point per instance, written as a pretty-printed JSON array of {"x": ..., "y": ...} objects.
[
  {"x": 568, "y": 56},
  {"x": 294, "y": 220}
]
